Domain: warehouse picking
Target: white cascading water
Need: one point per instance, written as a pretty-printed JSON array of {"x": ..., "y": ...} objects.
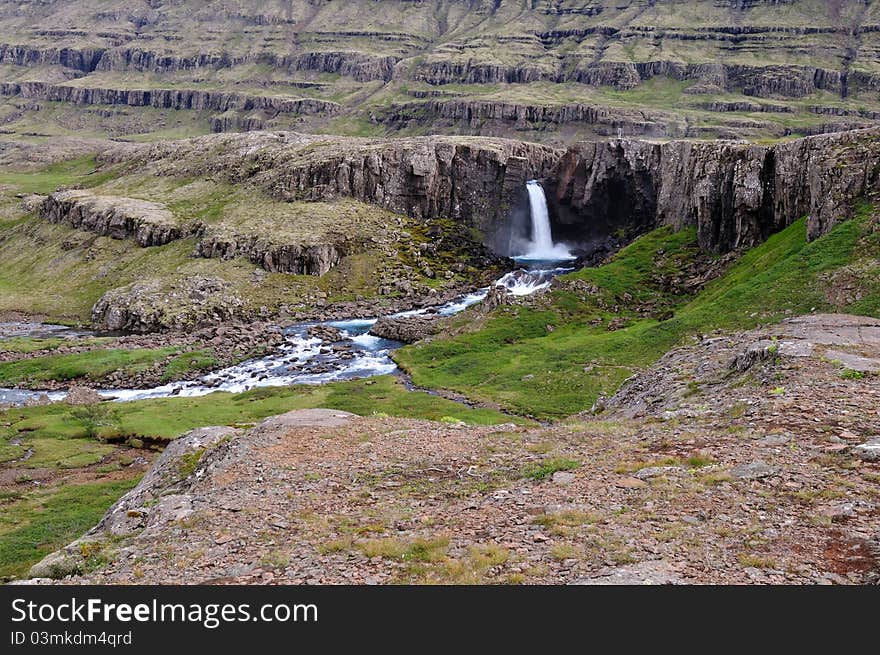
[{"x": 541, "y": 247}]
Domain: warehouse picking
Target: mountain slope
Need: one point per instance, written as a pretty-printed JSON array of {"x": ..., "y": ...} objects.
[{"x": 473, "y": 66}]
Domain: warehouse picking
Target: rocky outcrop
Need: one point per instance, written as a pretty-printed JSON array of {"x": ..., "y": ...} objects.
[
  {"x": 84, "y": 60},
  {"x": 406, "y": 329},
  {"x": 783, "y": 80},
  {"x": 745, "y": 106},
  {"x": 363, "y": 67},
  {"x": 152, "y": 224},
  {"x": 475, "y": 113},
  {"x": 360, "y": 66},
  {"x": 82, "y": 396},
  {"x": 175, "y": 489},
  {"x": 720, "y": 361},
  {"x": 735, "y": 194},
  {"x": 299, "y": 259},
  {"x": 842, "y": 111},
  {"x": 476, "y": 181},
  {"x": 147, "y": 223},
  {"x": 234, "y": 122},
  {"x": 470, "y": 72},
  {"x": 159, "y": 305},
  {"x": 194, "y": 99},
  {"x": 158, "y": 501}
]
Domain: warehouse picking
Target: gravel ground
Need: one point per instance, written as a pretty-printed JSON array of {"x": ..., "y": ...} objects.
[{"x": 743, "y": 467}]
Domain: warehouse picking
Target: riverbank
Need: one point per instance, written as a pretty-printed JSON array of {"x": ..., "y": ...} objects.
[
  {"x": 55, "y": 358},
  {"x": 235, "y": 357}
]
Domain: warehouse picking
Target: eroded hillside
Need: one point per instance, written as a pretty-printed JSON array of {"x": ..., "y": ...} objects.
[{"x": 553, "y": 70}]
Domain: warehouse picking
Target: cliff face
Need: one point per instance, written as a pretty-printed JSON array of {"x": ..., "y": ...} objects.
[
  {"x": 736, "y": 195},
  {"x": 147, "y": 223},
  {"x": 359, "y": 66},
  {"x": 476, "y": 181},
  {"x": 167, "y": 98},
  {"x": 762, "y": 81},
  {"x": 79, "y": 59},
  {"x": 475, "y": 114},
  {"x": 466, "y": 182}
]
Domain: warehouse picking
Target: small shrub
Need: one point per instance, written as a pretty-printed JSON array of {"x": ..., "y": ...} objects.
[
  {"x": 190, "y": 462},
  {"x": 546, "y": 468},
  {"x": 750, "y": 560},
  {"x": 567, "y": 518},
  {"x": 274, "y": 559},
  {"x": 563, "y": 551},
  {"x": 485, "y": 556},
  {"x": 699, "y": 461},
  {"x": 852, "y": 374},
  {"x": 420, "y": 550},
  {"x": 335, "y": 546},
  {"x": 94, "y": 417}
]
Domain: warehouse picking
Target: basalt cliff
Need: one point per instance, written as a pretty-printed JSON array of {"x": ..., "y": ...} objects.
[{"x": 735, "y": 194}]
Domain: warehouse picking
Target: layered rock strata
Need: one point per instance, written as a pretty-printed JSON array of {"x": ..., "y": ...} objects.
[{"x": 194, "y": 99}]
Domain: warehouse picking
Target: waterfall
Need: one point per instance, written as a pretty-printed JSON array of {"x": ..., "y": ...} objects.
[
  {"x": 541, "y": 246},
  {"x": 542, "y": 239}
]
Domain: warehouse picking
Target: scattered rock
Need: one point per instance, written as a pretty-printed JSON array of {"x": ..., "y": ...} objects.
[
  {"x": 406, "y": 329},
  {"x": 656, "y": 572},
  {"x": 752, "y": 471},
  {"x": 82, "y": 396},
  {"x": 496, "y": 297},
  {"x": 563, "y": 477},
  {"x": 630, "y": 483},
  {"x": 326, "y": 333},
  {"x": 656, "y": 471},
  {"x": 774, "y": 440},
  {"x": 868, "y": 451}
]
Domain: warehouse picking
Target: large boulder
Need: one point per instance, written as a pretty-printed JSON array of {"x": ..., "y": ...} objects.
[
  {"x": 407, "y": 329},
  {"x": 82, "y": 396}
]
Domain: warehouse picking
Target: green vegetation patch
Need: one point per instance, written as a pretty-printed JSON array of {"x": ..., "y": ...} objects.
[
  {"x": 38, "y": 523},
  {"x": 57, "y": 426},
  {"x": 555, "y": 357},
  {"x": 83, "y": 172},
  {"x": 191, "y": 362},
  {"x": 546, "y": 468},
  {"x": 92, "y": 365}
]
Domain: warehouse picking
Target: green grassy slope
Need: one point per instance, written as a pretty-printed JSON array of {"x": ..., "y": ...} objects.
[
  {"x": 59, "y": 432},
  {"x": 555, "y": 360},
  {"x": 34, "y": 524}
]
